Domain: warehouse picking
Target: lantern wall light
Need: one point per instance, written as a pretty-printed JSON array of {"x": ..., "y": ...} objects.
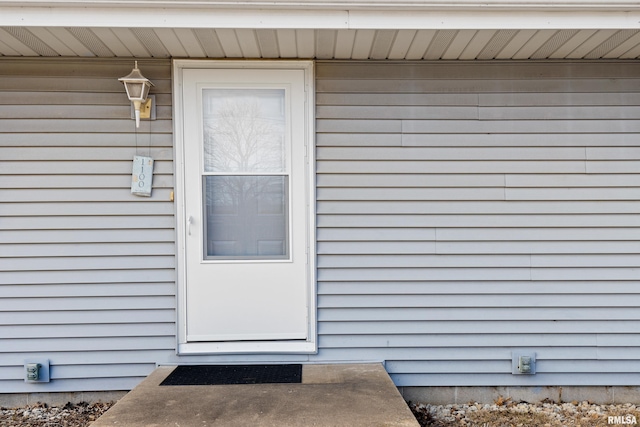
[{"x": 137, "y": 87}]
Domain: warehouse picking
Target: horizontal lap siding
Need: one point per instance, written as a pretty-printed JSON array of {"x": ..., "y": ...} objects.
[
  {"x": 466, "y": 211},
  {"x": 86, "y": 269}
]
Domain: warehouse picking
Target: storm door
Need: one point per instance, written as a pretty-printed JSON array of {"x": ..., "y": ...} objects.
[{"x": 245, "y": 205}]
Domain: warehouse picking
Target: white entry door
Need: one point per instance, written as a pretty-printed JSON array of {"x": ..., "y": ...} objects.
[{"x": 246, "y": 199}]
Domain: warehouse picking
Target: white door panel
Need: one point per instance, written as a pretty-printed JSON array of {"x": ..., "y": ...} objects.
[{"x": 245, "y": 199}]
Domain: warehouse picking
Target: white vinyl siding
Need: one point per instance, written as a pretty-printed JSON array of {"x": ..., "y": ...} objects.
[
  {"x": 86, "y": 269},
  {"x": 466, "y": 211}
]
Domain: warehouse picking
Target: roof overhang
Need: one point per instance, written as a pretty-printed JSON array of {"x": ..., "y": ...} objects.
[
  {"x": 576, "y": 5},
  {"x": 455, "y": 29}
]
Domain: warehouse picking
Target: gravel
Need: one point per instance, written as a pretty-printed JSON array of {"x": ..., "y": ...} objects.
[
  {"x": 505, "y": 413},
  {"x": 42, "y": 415}
]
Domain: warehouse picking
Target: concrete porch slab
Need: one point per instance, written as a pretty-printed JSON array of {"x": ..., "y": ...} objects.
[{"x": 329, "y": 395}]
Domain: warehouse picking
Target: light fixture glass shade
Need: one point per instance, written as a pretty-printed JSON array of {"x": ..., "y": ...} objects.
[{"x": 134, "y": 90}]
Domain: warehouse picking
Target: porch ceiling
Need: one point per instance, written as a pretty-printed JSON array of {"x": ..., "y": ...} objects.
[{"x": 343, "y": 29}]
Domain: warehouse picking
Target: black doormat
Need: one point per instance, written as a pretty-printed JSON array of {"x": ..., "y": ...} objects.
[{"x": 234, "y": 374}]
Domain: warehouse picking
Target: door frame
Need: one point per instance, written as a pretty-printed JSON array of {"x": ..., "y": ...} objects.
[{"x": 281, "y": 346}]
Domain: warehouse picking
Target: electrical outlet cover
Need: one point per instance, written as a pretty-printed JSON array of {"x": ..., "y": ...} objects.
[
  {"x": 516, "y": 357},
  {"x": 43, "y": 371}
]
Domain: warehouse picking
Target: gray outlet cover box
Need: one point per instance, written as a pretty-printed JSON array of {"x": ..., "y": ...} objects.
[
  {"x": 523, "y": 363},
  {"x": 36, "y": 371}
]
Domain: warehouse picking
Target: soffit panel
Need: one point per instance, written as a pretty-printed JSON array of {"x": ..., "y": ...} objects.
[{"x": 376, "y": 44}]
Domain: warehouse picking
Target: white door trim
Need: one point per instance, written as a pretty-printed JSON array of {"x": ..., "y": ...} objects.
[{"x": 283, "y": 346}]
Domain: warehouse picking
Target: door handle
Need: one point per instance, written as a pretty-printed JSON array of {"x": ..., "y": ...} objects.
[{"x": 189, "y": 222}]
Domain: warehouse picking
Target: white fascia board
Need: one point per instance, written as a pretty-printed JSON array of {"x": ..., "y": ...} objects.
[
  {"x": 171, "y": 18},
  {"x": 494, "y": 20},
  {"x": 342, "y": 4},
  {"x": 215, "y": 17}
]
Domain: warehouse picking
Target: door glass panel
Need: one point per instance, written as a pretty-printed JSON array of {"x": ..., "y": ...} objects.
[
  {"x": 246, "y": 217},
  {"x": 245, "y": 174},
  {"x": 244, "y": 130}
]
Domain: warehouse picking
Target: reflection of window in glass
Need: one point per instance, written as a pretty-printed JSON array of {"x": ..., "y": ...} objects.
[
  {"x": 244, "y": 130},
  {"x": 246, "y": 216}
]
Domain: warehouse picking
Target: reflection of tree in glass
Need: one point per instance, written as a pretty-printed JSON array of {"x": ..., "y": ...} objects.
[
  {"x": 240, "y": 137},
  {"x": 265, "y": 194},
  {"x": 243, "y": 211}
]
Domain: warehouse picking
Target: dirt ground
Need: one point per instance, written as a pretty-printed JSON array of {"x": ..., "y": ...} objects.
[
  {"x": 505, "y": 413},
  {"x": 41, "y": 415}
]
